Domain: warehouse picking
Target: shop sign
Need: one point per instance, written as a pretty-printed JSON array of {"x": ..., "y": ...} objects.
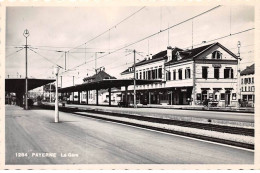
[
  {"x": 216, "y": 65},
  {"x": 184, "y": 90}
]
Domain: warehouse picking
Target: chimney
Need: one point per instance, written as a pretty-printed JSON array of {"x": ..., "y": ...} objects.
[{"x": 169, "y": 53}]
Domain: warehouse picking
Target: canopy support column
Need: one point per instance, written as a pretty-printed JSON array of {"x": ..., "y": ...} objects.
[
  {"x": 72, "y": 97},
  {"x": 87, "y": 97},
  {"x": 149, "y": 97},
  {"x": 78, "y": 97},
  {"x": 97, "y": 96},
  {"x": 109, "y": 96},
  {"x": 126, "y": 99}
]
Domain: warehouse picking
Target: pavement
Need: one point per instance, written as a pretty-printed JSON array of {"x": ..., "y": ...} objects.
[
  {"x": 92, "y": 141},
  {"x": 171, "y": 113}
]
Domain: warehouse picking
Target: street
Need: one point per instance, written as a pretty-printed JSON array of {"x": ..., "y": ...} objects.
[{"x": 82, "y": 140}]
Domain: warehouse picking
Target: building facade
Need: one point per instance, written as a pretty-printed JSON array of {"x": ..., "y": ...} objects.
[
  {"x": 248, "y": 86},
  {"x": 196, "y": 76}
]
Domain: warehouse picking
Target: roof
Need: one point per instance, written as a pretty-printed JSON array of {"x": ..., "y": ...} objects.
[
  {"x": 157, "y": 57},
  {"x": 105, "y": 84},
  {"x": 186, "y": 55},
  {"x": 189, "y": 54},
  {"x": 18, "y": 85},
  {"x": 101, "y": 75},
  {"x": 249, "y": 70}
]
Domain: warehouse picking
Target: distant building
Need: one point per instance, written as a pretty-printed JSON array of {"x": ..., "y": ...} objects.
[
  {"x": 248, "y": 85},
  {"x": 206, "y": 73},
  {"x": 103, "y": 94}
]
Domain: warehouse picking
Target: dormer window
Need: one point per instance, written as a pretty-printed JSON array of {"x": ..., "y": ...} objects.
[
  {"x": 178, "y": 56},
  {"x": 216, "y": 55}
]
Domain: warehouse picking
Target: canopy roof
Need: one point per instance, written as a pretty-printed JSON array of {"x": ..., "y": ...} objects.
[
  {"x": 18, "y": 85},
  {"x": 105, "y": 84}
]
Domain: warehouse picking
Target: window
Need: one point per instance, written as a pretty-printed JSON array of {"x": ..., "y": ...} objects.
[
  {"x": 253, "y": 88},
  {"x": 149, "y": 74},
  {"x": 245, "y": 97},
  {"x": 144, "y": 75},
  {"x": 242, "y": 81},
  {"x": 250, "y": 97},
  {"x": 180, "y": 74},
  {"x": 156, "y": 73},
  {"x": 252, "y": 79},
  {"x": 228, "y": 73},
  {"x": 249, "y": 88},
  {"x": 222, "y": 96},
  {"x": 234, "y": 96},
  {"x": 136, "y": 75},
  {"x": 187, "y": 73},
  {"x": 216, "y": 73},
  {"x": 216, "y": 55},
  {"x": 160, "y": 73},
  {"x": 204, "y": 72},
  {"x": 168, "y": 75},
  {"x": 249, "y": 80},
  {"x": 140, "y": 75},
  {"x": 174, "y": 75},
  {"x": 245, "y": 88}
]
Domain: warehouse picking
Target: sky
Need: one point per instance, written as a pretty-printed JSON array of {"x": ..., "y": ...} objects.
[{"x": 56, "y": 29}]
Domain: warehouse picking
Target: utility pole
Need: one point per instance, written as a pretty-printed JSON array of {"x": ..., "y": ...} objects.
[
  {"x": 96, "y": 62},
  {"x": 134, "y": 82},
  {"x": 238, "y": 76},
  {"x": 65, "y": 60},
  {"x": 26, "y": 34},
  {"x": 56, "y": 116},
  {"x": 61, "y": 81}
]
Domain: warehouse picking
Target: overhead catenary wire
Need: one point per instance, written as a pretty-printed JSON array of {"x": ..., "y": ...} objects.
[
  {"x": 108, "y": 30},
  {"x": 130, "y": 44},
  {"x": 14, "y": 52},
  {"x": 46, "y": 58},
  {"x": 222, "y": 37}
]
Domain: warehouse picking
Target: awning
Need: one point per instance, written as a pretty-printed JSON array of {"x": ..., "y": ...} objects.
[
  {"x": 105, "y": 84},
  {"x": 18, "y": 85}
]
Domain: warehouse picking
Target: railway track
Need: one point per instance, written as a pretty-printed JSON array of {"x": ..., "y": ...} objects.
[{"x": 209, "y": 126}]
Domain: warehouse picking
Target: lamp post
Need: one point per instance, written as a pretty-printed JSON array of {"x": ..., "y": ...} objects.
[
  {"x": 26, "y": 34},
  {"x": 56, "y": 118}
]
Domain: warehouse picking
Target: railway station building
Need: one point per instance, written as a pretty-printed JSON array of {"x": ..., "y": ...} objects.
[{"x": 188, "y": 77}]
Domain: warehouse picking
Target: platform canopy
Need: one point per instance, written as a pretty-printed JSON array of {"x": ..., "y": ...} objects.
[
  {"x": 105, "y": 84},
  {"x": 18, "y": 85}
]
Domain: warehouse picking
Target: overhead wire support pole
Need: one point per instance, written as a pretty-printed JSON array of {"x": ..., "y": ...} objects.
[
  {"x": 26, "y": 34},
  {"x": 56, "y": 116},
  {"x": 238, "y": 75},
  {"x": 65, "y": 61},
  {"x": 96, "y": 62},
  {"x": 134, "y": 81}
]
